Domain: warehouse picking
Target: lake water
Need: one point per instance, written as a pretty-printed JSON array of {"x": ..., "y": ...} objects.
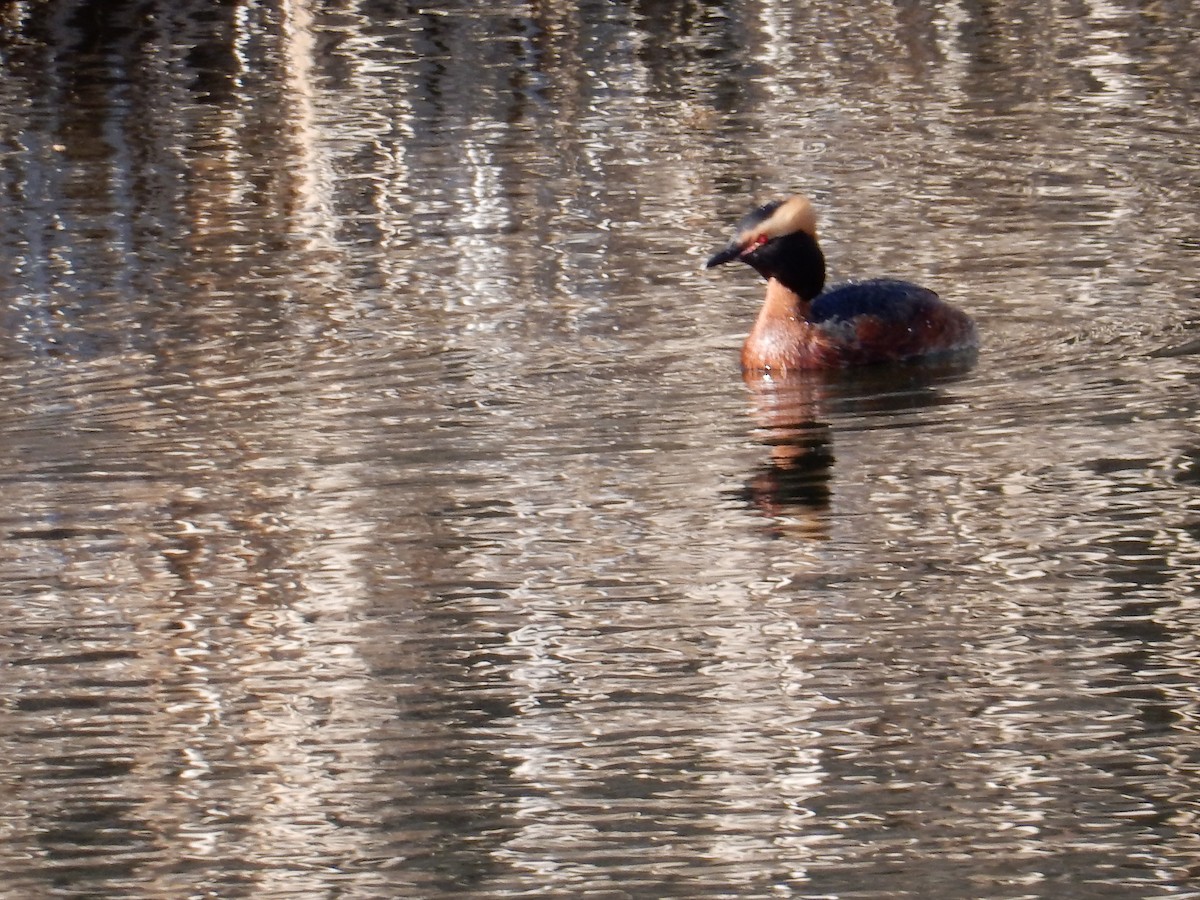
[{"x": 384, "y": 514}]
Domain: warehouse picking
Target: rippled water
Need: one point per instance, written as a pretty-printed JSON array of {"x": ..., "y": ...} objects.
[{"x": 385, "y": 515}]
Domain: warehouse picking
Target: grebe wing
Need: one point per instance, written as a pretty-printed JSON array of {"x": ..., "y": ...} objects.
[{"x": 884, "y": 298}]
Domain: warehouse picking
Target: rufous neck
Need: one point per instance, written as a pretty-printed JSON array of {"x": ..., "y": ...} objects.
[{"x": 782, "y": 302}]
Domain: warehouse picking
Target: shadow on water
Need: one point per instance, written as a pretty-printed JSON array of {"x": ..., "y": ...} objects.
[{"x": 798, "y": 420}]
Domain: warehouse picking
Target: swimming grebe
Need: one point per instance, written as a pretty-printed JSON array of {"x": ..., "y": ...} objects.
[{"x": 858, "y": 323}]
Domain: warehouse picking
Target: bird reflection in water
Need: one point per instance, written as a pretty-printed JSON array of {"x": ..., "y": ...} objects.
[
  {"x": 796, "y": 418},
  {"x": 792, "y": 484}
]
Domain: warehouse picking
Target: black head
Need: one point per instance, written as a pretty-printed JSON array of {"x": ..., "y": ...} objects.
[{"x": 779, "y": 240}]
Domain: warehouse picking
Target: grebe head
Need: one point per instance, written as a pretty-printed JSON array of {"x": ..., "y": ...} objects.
[{"x": 779, "y": 240}]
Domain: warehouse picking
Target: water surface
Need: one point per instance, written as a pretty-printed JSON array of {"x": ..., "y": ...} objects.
[{"x": 385, "y": 515}]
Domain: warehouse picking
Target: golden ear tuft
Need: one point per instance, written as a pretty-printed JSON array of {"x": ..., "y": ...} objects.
[{"x": 796, "y": 213}]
